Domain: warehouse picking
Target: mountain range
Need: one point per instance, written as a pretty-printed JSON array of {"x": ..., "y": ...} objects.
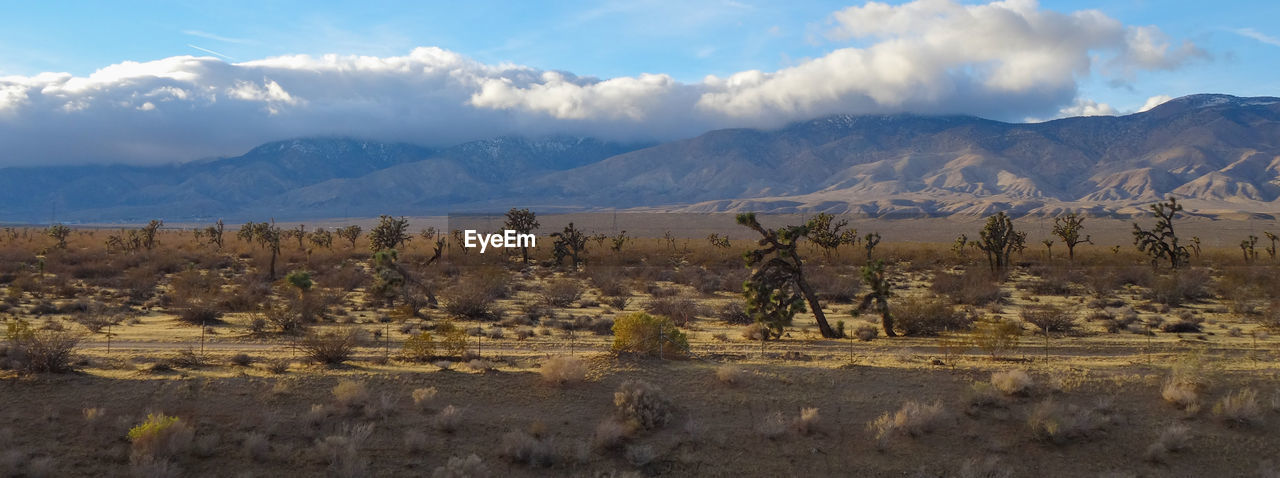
[{"x": 1220, "y": 154}]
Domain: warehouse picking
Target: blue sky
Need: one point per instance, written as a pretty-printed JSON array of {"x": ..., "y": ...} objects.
[{"x": 1230, "y": 47}]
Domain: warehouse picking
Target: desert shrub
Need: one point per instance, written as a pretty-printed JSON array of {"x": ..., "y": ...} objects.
[
  {"x": 561, "y": 292},
  {"x": 1239, "y": 408},
  {"x": 866, "y": 332},
  {"x": 997, "y": 337},
  {"x": 601, "y": 326},
  {"x": 1270, "y": 316},
  {"x": 282, "y": 317},
  {"x": 1173, "y": 439},
  {"x": 419, "y": 347},
  {"x": 927, "y": 317},
  {"x": 1055, "y": 281},
  {"x": 241, "y": 360},
  {"x": 333, "y": 347},
  {"x": 1182, "y": 394},
  {"x": 196, "y": 296},
  {"x": 617, "y": 302},
  {"x": 452, "y": 338},
  {"x": 350, "y": 395},
  {"x": 472, "y": 298},
  {"x": 563, "y": 370},
  {"x": 1052, "y": 422},
  {"x": 982, "y": 395},
  {"x": 341, "y": 451},
  {"x": 756, "y": 332},
  {"x": 423, "y": 397},
  {"x": 680, "y": 309},
  {"x": 608, "y": 280},
  {"x": 1187, "y": 325},
  {"x": 96, "y": 320},
  {"x": 833, "y": 287},
  {"x": 733, "y": 313},
  {"x": 1049, "y": 317},
  {"x": 644, "y": 334},
  {"x": 278, "y": 366},
  {"x": 975, "y": 286},
  {"x": 249, "y": 295},
  {"x": 641, "y": 405},
  {"x": 1012, "y": 382},
  {"x": 39, "y": 351},
  {"x": 470, "y": 466},
  {"x": 448, "y": 419},
  {"x": 521, "y": 447},
  {"x": 808, "y": 422},
  {"x": 913, "y": 419},
  {"x": 159, "y": 437},
  {"x": 348, "y": 276},
  {"x": 1180, "y": 287},
  {"x": 256, "y": 447},
  {"x": 729, "y": 374},
  {"x": 186, "y": 358}
]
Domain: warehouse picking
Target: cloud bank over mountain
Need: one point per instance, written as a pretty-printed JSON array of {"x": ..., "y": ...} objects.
[{"x": 1005, "y": 60}]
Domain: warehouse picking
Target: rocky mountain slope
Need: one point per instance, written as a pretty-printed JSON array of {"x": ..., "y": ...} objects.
[{"x": 1220, "y": 153}]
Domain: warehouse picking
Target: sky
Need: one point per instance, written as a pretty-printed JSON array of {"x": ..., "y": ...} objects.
[{"x": 156, "y": 82}]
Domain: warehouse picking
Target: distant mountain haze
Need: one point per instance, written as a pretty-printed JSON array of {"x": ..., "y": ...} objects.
[{"x": 1219, "y": 153}]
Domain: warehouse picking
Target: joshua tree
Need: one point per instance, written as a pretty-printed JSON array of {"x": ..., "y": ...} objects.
[
  {"x": 825, "y": 232},
  {"x": 776, "y": 289},
  {"x": 298, "y": 234},
  {"x": 58, "y": 232},
  {"x": 1068, "y": 229},
  {"x": 1247, "y": 248},
  {"x": 719, "y": 241},
  {"x": 870, "y": 241},
  {"x": 388, "y": 280},
  {"x": 671, "y": 240},
  {"x": 1271, "y": 250},
  {"x": 429, "y": 234},
  {"x": 246, "y": 232},
  {"x": 214, "y": 233},
  {"x": 569, "y": 243},
  {"x": 618, "y": 241},
  {"x": 1048, "y": 247},
  {"x": 958, "y": 246},
  {"x": 456, "y": 234},
  {"x": 148, "y": 233},
  {"x": 350, "y": 234},
  {"x": 390, "y": 233},
  {"x": 1161, "y": 243},
  {"x": 321, "y": 238},
  {"x": 268, "y": 235},
  {"x": 881, "y": 290},
  {"x": 999, "y": 239},
  {"x": 523, "y": 221},
  {"x": 300, "y": 280}
]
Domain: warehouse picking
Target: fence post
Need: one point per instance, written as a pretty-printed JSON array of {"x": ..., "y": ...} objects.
[{"x": 660, "y": 340}]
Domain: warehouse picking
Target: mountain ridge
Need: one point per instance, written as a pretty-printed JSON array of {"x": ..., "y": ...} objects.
[{"x": 1220, "y": 153}]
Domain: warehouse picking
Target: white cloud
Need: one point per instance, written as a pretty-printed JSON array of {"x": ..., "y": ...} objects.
[
  {"x": 1004, "y": 60},
  {"x": 1153, "y": 102},
  {"x": 1086, "y": 107}
]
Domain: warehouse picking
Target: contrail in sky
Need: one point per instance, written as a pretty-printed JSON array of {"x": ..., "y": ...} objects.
[{"x": 206, "y": 50}]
